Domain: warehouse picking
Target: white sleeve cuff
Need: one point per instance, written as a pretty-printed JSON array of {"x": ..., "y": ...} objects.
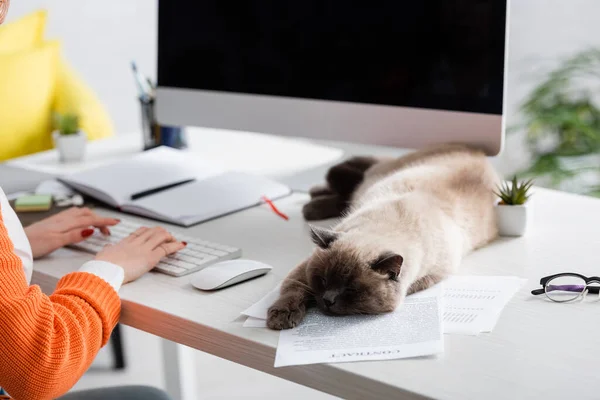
[{"x": 111, "y": 273}]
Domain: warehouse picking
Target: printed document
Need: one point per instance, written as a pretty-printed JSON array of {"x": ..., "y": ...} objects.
[
  {"x": 413, "y": 330},
  {"x": 473, "y": 304},
  {"x": 465, "y": 305}
]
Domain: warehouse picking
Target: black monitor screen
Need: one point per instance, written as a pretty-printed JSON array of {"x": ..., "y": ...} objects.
[{"x": 440, "y": 54}]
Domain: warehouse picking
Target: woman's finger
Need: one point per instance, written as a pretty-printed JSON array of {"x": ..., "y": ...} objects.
[
  {"x": 65, "y": 215},
  {"x": 134, "y": 237},
  {"x": 73, "y": 213},
  {"x": 103, "y": 228},
  {"x": 75, "y": 236},
  {"x": 159, "y": 237},
  {"x": 151, "y": 232},
  {"x": 87, "y": 220},
  {"x": 166, "y": 249}
]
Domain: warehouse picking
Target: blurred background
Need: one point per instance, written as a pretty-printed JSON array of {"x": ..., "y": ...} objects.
[
  {"x": 551, "y": 112},
  {"x": 556, "y": 138}
]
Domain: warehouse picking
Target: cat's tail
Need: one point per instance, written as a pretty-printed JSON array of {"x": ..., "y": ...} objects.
[{"x": 332, "y": 199}]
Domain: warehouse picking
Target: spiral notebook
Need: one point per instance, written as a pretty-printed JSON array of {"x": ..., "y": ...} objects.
[{"x": 173, "y": 186}]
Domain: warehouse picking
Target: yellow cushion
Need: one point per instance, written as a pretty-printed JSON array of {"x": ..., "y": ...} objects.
[
  {"x": 23, "y": 33},
  {"x": 74, "y": 96},
  {"x": 70, "y": 93},
  {"x": 27, "y": 85}
]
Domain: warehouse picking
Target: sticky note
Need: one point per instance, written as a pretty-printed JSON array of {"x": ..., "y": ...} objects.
[{"x": 37, "y": 202}]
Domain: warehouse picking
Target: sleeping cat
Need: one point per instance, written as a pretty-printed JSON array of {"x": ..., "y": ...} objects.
[{"x": 408, "y": 222}]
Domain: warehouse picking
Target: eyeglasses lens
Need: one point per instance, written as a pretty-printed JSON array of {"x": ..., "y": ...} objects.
[{"x": 565, "y": 288}]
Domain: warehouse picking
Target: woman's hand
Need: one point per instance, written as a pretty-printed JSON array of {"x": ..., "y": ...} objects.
[
  {"x": 139, "y": 252},
  {"x": 67, "y": 227}
]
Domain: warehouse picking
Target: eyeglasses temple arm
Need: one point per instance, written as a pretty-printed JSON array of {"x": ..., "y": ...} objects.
[{"x": 591, "y": 289}]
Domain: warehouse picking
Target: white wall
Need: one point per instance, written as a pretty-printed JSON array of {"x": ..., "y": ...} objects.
[
  {"x": 102, "y": 37},
  {"x": 542, "y": 33}
]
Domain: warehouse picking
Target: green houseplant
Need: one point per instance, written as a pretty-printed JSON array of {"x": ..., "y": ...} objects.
[
  {"x": 561, "y": 121},
  {"x": 512, "y": 211},
  {"x": 68, "y": 137},
  {"x": 66, "y": 124}
]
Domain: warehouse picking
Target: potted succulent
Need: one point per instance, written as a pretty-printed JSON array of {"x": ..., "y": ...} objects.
[
  {"x": 68, "y": 138},
  {"x": 512, "y": 211}
]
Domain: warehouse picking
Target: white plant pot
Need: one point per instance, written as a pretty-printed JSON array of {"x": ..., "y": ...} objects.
[
  {"x": 70, "y": 147},
  {"x": 512, "y": 220}
]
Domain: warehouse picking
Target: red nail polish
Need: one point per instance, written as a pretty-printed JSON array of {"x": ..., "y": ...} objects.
[
  {"x": 184, "y": 243},
  {"x": 87, "y": 232}
]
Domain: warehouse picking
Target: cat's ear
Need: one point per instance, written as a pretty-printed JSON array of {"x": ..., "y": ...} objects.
[
  {"x": 388, "y": 263},
  {"x": 322, "y": 237}
]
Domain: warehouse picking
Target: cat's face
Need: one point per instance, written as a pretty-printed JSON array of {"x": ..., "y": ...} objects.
[{"x": 343, "y": 281}]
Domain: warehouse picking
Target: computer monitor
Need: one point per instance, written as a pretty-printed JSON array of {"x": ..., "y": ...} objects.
[{"x": 403, "y": 73}]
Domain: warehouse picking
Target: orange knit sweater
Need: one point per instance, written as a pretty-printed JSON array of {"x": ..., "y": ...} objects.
[{"x": 48, "y": 342}]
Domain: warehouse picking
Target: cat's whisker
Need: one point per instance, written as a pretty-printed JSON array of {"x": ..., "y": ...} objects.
[
  {"x": 320, "y": 256},
  {"x": 302, "y": 285}
]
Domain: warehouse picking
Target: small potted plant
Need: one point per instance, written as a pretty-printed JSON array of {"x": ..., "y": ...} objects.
[
  {"x": 68, "y": 138},
  {"x": 512, "y": 211}
]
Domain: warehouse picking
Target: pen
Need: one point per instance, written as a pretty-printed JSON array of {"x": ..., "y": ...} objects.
[
  {"x": 152, "y": 87},
  {"x": 144, "y": 90},
  {"x": 145, "y": 193}
]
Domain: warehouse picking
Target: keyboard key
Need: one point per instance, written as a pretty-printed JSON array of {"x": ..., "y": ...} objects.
[
  {"x": 228, "y": 249},
  {"x": 190, "y": 253},
  {"x": 186, "y": 251},
  {"x": 94, "y": 247},
  {"x": 170, "y": 268},
  {"x": 171, "y": 257},
  {"x": 183, "y": 264},
  {"x": 190, "y": 259}
]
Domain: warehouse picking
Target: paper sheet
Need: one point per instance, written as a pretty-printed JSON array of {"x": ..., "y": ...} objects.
[
  {"x": 473, "y": 304},
  {"x": 252, "y": 322},
  {"x": 415, "y": 329},
  {"x": 260, "y": 308}
]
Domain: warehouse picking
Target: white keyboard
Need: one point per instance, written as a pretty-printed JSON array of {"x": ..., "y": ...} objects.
[{"x": 197, "y": 255}]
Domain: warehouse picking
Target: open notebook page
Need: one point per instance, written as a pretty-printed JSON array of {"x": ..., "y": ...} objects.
[
  {"x": 209, "y": 198},
  {"x": 115, "y": 183}
]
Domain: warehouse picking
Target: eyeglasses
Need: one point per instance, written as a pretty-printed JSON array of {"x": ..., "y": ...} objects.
[{"x": 567, "y": 286}]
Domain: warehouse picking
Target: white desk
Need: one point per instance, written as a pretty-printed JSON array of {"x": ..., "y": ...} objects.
[{"x": 538, "y": 349}]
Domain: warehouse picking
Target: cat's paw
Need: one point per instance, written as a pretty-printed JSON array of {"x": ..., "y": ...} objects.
[
  {"x": 344, "y": 178},
  {"x": 320, "y": 190},
  {"x": 284, "y": 316},
  {"x": 324, "y": 207}
]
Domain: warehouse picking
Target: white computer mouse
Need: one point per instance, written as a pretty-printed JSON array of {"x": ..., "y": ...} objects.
[{"x": 227, "y": 273}]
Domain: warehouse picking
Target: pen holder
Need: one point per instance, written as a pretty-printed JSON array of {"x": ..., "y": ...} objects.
[{"x": 155, "y": 135}]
